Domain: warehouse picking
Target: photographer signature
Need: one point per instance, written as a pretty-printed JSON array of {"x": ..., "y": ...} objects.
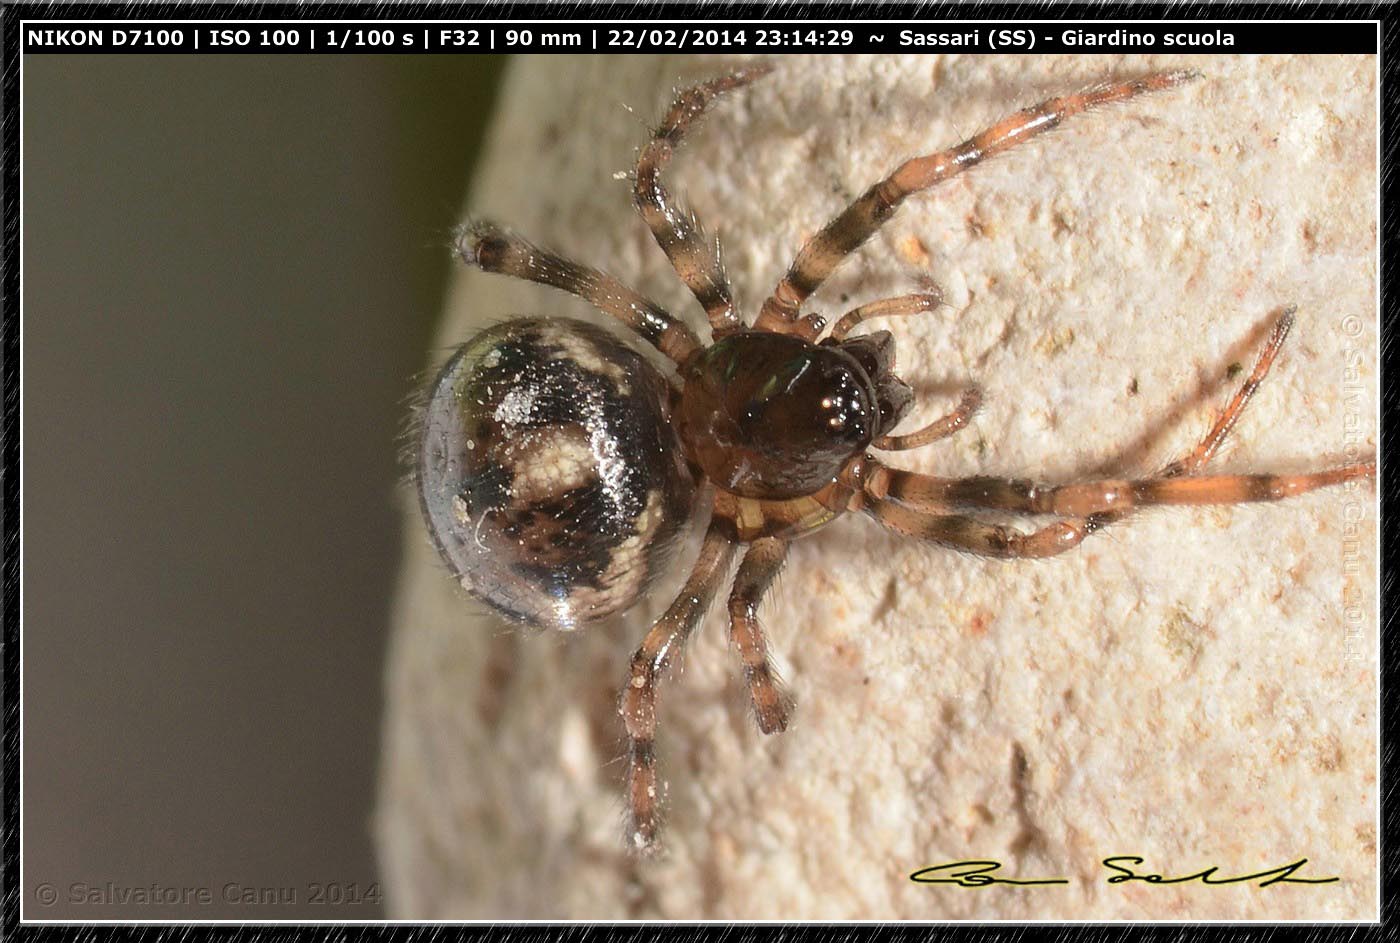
[{"x": 980, "y": 873}]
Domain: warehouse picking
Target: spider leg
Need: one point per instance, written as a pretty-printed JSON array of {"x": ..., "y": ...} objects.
[
  {"x": 1106, "y": 500},
  {"x": 694, "y": 256},
  {"x": 974, "y": 536},
  {"x": 913, "y": 502},
  {"x": 659, "y": 650},
  {"x": 938, "y": 429},
  {"x": 760, "y": 565},
  {"x": 843, "y": 234},
  {"x": 1208, "y": 446},
  {"x": 1110, "y": 500},
  {"x": 492, "y": 249},
  {"x": 886, "y": 308}
]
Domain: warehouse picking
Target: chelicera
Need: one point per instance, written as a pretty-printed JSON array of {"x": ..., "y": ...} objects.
[{"x": 557, "y": 468}]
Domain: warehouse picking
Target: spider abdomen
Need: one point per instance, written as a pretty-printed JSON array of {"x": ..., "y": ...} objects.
[{"x": 549, "y": 471}]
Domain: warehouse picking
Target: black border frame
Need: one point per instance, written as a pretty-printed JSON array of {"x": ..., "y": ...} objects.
[{"x": 796, "y": 12}]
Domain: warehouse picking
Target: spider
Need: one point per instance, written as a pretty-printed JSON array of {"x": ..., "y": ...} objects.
[{"x": 557, "y": 468}]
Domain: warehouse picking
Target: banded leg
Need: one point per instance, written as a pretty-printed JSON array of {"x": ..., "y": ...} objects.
[
  {"x": 1105, "y": 499},
  {"x": 492, "y": 249},
  {"x": 657, "y": 652},
  {"x": 1110, "y": 500},
  {"x": 1211, "y": 442},
  {"x": 912, "y": 509},
  {"x": 829, "y": 247},
  {"x": 938, "y": 429},
  {"x": 694, "y": 256},
  {"x": 756, "y": 573}
]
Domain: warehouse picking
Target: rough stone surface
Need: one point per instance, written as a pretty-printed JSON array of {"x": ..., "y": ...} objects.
[{"x": 1195, "y": 687}]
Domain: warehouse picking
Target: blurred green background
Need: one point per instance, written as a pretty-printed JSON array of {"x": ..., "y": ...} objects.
[{"x": 231, "y": 269}]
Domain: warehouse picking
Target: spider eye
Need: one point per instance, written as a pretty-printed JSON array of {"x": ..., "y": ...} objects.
[
  {"x": 773, "y": 416},
  {"x": 845, "y": 407}
]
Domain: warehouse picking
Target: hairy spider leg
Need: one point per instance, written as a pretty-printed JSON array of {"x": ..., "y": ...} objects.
[
  {"x": 492, "y": 249},
  {"x": 911, "y": 503},
  {"x": 855, "y": 224},
  {"x": 659, "y": 650},
  {"x": 899, "y": 307},
  {"x": 1093, "y": 505},
  {"x": 695, "y": 256},
  {"x": 1216, "y": 436},
  {"x": 972, "y": 401},
  {"x": 1213, "y": 439},
  {"x": 940, "y": 428},
  {"x": 760, "y": 566}
]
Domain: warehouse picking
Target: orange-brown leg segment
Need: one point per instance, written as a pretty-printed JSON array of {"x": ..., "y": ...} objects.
[
  {"x": 926, "y": 494},
  {"x": 829, "y": 247},
  {"x": 694, "y": 255},
  {"x": 658, "y": 651},
  {"x": 974, "y": 536},
  {"x": 912, "y": 504},
  {"x": 761, "y": 564},
  {"x": 886, "y": 308},
  {"x": 1213, "y": 439},
  {"x": 938, "y": 429},
  {"x": 1107, "y": 501}
]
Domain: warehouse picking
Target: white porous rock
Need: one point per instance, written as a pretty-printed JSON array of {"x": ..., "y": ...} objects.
[{"x": 1195, "y": 687}]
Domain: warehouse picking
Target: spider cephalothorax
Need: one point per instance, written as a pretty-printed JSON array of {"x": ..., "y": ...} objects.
[
  {"x": 556, "y": 467},
  {"x": 774, "y": 416}
]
